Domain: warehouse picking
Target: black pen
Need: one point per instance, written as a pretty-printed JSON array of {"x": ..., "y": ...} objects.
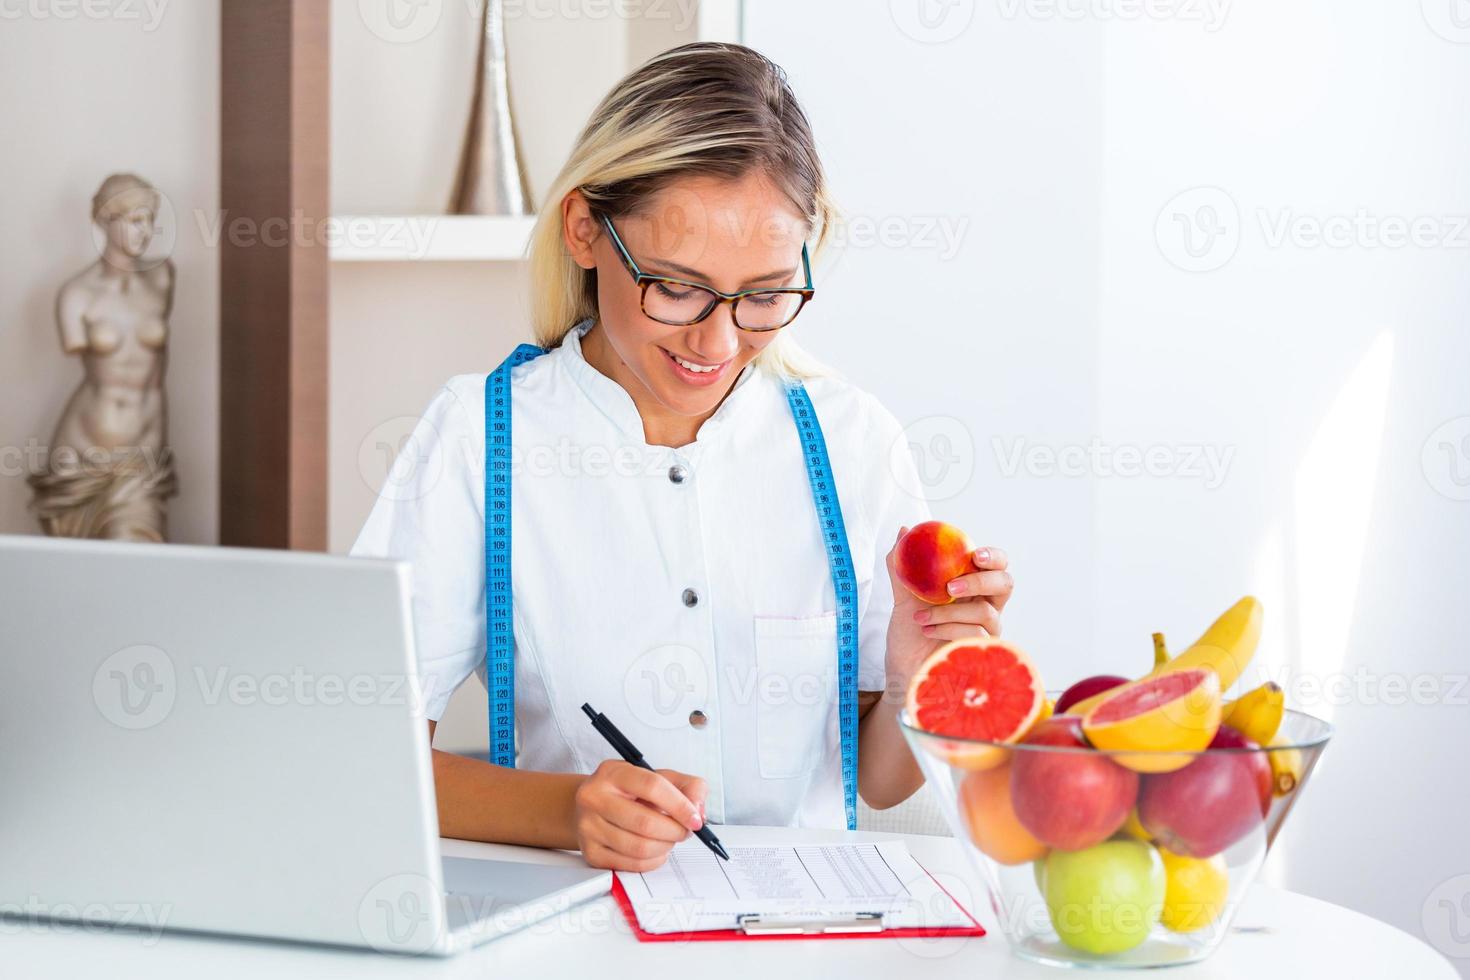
[{"x": 630, "y": 754}]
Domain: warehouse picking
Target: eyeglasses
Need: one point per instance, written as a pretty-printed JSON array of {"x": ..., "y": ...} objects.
[{"x": 680, "y": 303}]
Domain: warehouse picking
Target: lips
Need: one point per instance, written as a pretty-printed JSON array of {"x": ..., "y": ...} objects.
[
  {"x": 694, "y": 366},
  {"x": 694, "y": 372}
]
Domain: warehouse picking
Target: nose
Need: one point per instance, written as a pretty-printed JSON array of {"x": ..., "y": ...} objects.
[{"x": 715, "y": 338}]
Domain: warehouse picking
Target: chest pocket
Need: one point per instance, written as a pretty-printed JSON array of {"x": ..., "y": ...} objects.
[{"x": 796, "y": 691}]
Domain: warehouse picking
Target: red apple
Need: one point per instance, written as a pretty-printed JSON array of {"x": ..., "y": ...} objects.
[
  {"x": 929, "y": 556},
  {"x": 1069, "y": 800},
  {"x": 1254, "y": 759},
  {"x": 1086, "y": 688},
  {"x": 1200, "y": 810}
]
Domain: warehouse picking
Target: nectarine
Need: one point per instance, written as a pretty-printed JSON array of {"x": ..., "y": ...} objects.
[
  {"x": 929, "y": 556},
  {"x": 985, "y": 800}
]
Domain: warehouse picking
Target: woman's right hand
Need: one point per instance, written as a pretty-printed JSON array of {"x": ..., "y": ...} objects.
[{"x": 627, "y": 818}]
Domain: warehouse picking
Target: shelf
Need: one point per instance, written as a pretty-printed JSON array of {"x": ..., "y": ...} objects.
[{"x": 430, "y": 238}]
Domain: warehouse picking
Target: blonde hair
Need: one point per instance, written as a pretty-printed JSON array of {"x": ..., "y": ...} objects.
[{"x": 699, "y": 110}]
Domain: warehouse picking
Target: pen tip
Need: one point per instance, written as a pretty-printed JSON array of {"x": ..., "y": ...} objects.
[
  {"x": 720, "y": 850},
  {"x": 587, "y": 708}
]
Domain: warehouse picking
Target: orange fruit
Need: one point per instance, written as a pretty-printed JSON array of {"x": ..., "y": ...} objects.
[
  {"x": 985, "y": 800},
  {"x": 1157, "y": 717},
  {"x": 979, "y": 688}
]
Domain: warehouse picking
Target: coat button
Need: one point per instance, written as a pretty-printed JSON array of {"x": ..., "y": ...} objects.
[
  {"x": 691, "y": 598},
  {"x": 698, "y": 719},
  {"x": 677, "y": 473}
]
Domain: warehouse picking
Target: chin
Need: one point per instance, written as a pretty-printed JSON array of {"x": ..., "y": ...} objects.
[
  {"x": 687, "y": 393},
  {"x": 682, "y": 401}
]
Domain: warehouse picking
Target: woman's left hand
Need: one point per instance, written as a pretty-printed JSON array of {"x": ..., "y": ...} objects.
[{"x": 916, "y": 628}]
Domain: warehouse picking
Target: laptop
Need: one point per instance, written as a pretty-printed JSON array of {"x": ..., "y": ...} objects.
[{"x": 232, "y": 741}]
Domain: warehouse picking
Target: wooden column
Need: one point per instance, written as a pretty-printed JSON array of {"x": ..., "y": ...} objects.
[{"x": 273, "y": 272}]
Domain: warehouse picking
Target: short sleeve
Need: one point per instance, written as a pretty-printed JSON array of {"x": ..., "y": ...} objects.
[
  {"x": 892, "y": 497},
  {"x": 430, "y": 514}
]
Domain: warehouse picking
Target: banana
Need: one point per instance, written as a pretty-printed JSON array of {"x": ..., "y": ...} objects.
[
  {"x": 1286, "y": 768},
  {"x": 1226, "y": 648},
  {"x": 1161, "y": 651},
  {"x": 1257, "y": 713}
]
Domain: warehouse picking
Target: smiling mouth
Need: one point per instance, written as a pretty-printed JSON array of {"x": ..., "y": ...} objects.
[{"x": 694, "y": 367}]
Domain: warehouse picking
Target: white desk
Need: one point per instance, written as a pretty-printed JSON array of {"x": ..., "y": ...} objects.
[{"x": 1307, "y": 938}]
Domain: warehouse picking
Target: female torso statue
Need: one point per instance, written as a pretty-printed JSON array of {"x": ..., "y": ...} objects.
[{"x": 109, "y": 470}]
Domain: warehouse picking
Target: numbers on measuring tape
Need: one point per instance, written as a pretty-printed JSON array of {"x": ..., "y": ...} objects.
[
  {"x": 839, "y": 562},
  {"x": 500, "y": 674}
]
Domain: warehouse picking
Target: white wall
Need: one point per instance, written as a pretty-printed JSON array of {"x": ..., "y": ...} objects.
[
  {"x": 136, "y": 89},
  {"x": 966, "y": 291},
  {"x": 1327, "y": 368},
  {"x": 1318, "y": 377},
  {"x": 964, "y": 286}
]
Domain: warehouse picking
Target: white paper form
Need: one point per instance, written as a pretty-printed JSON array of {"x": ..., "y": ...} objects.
[{"x": 695, "y": 891}]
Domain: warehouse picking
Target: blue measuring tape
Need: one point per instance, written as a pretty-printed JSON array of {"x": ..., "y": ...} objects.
[
  {"x": 844, "y": 585},
  {"x": 499, "y": 628},
  {"x": 500, "y": 664}
]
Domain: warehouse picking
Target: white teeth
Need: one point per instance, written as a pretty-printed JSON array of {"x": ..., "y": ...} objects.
[{"x": 696, "y": 368}]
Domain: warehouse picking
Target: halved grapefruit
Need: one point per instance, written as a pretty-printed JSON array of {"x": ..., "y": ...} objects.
[
  {"x": 978, "y": 688},
  {"x": 1174, "y": 712}
]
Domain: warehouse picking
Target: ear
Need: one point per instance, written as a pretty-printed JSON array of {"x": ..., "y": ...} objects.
[{"x": 579, "y": 229}]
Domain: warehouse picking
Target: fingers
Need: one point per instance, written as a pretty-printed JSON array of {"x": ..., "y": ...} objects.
[
  {"x": 599, "y": 855},
  {"x": 969, "y": 613},
  {"x": 892, "y": 562},
  {"x": 636, "y": 783},
  {"x": 620, "y": 818},
  {"x": 629, "y": 845},
  {"x": 993, "y": 583},
  {"x": 656, "y": 790},
  {"x": 639, "y": 818},
  {"x": 955, "y": 631},
  {"x": 695, "y": 790},
  {"x": 990, "y": 558}
]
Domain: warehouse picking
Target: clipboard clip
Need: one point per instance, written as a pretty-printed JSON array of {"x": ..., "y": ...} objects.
[{"x": 756, "y": 924}]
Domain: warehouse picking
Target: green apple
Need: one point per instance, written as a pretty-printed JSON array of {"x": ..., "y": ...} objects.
[{"x": 1104, "y": 899}]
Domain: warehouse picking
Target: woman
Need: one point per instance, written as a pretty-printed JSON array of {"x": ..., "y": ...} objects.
[{"x": 677, "y": 544}]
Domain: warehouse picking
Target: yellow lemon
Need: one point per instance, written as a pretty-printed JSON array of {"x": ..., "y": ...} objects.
[{"x": 1195, "y": 890}]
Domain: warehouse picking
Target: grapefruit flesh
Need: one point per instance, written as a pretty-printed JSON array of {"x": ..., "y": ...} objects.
[
  {"x": 980, "y": 688},
  {"x": 1162, "y": 718}
]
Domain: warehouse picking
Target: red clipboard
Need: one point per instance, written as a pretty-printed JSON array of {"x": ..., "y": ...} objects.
[{"x": 620, "y": 895}]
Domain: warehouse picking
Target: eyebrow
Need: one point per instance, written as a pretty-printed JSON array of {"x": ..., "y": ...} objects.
[{"x": 684, "y": 270}]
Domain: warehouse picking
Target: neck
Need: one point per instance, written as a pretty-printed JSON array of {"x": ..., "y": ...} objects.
[
  {"x": 117, "y": 263},
  {"x": 661, "y": 427}
]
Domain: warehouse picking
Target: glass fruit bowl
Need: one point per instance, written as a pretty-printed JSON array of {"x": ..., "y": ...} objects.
[{"x": 1090, "y": 862}]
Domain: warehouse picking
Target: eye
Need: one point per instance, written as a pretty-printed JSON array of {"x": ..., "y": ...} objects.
[
  {"x": 676, "y": 293},
  {"x": 765, "y": 299}
]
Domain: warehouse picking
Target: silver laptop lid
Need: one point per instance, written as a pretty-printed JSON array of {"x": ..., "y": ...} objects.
[{"x": 212, "y": 739}]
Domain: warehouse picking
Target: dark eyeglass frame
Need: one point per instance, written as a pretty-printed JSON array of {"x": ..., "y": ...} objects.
[{"x": 644, "y": 279}]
